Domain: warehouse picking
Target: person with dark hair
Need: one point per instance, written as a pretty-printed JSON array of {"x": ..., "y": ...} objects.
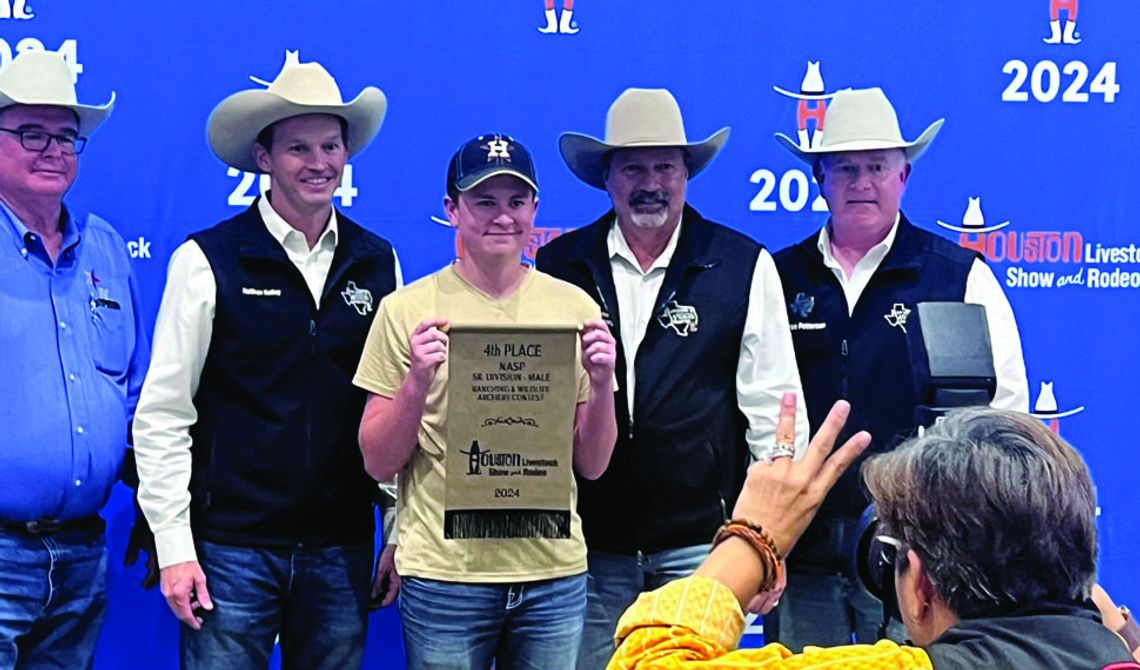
[
  {"x": 704, "y": 354},
  {"x": 989, "y": 520},
  {"x": 246, "y": 431},
  {"x": 75, "y": 353},
  {"x": 475, "y": 596},
  {"x": 851, "y": 290}
]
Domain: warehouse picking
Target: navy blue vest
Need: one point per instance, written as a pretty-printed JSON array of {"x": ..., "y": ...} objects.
[
  {"x": 680, "y": 461},
  {"x": 275, "y": 453},
  {"x": 862, "y": 358}
]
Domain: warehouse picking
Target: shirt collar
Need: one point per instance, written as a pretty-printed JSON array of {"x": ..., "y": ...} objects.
[
  {"x": 875, "y": 254},
  {"x": 288, "y": 236},
  {"x": 618, "y": 247},
  {"x": 20, "y": 231}
]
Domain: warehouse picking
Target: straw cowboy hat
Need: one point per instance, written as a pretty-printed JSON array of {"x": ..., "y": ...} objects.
[
  {"x": 639, "y": 118},
  {"x": 43, "y": 78},
  {"x": 861, "y": 120},
  {"x": 300, "y": 88}
]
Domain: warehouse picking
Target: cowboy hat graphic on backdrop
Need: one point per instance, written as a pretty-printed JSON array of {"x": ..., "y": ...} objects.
[
  {"x": 639, "y": 118},
  {"x": 300, "y": 88},
  {"x": 43, "y": 78},
  {"x": 861, "y": 120}
]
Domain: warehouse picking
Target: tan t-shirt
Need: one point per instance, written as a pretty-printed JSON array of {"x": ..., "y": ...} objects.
[{"x": 423, "y": 551}]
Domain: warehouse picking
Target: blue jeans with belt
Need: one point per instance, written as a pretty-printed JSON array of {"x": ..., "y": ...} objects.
[
  {"x": 315, "y": 598},
  {"x": 53, "y": 596}
]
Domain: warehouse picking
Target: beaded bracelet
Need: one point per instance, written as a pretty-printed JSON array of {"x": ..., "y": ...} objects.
[{"x": 760, "y": 541}]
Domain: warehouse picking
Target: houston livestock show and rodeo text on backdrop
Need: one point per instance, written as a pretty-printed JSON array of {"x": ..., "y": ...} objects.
[{"x": 1035, "y": 167}]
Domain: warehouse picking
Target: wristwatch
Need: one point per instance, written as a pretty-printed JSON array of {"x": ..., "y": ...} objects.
[{"x": 1129, "y": 631}]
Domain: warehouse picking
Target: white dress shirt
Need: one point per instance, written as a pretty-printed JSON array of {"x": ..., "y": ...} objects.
[
  {"x": 181, "y": 341},
  {"x": 767, "y": 362},
  {"x": 982, "y": 288}
]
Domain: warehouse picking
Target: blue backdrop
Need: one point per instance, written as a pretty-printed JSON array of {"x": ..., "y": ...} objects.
[{"x": 1039, "y": 137}]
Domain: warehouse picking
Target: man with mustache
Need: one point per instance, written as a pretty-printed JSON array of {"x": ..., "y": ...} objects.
[
  {"x": 850, "y": 289},
  {"x": 704, "y": 356}
]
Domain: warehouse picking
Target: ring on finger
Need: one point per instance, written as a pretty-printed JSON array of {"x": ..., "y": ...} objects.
[{"x": 782, "y": 449}]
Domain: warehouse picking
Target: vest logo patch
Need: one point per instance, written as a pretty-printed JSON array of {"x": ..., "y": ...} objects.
[
  {"x": 802, "y": 305},
  {"x": 683, "y": 319},
  {"x": 897, "y": 316},
  {"x": 265, "y": 292},
  {"x": 360, "y": 298}
]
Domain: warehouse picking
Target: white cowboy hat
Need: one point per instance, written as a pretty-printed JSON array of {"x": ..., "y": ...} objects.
[
  {"x": 300, "y": 88},
  {"x": 639, "y": 118},
  {"x": 43, "y": 78},
  {"x": 861, "y": 120}
]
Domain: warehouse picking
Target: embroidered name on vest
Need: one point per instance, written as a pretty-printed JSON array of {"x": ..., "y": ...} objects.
[
  {"x": 808, "y": 326},
  {"x": 266, "y": 292}
]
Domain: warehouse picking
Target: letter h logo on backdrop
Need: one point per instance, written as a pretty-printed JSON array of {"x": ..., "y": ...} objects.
[{"x": 812, "y": 106}]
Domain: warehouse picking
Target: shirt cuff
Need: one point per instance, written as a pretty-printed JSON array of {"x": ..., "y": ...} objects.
[{"x": 175, "y": 545}]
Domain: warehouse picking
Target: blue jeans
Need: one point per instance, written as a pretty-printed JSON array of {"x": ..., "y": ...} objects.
[
  {"x": 459, "y": 626},
  {"x": 614, "y": 582},
  {"x": 315, "y": 598},
  {"x": 53, "y": 595},
  {"x": 829, "y": 610}
]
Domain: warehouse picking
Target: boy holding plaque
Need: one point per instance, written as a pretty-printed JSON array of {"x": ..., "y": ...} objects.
[{"x": 490, "y": 385}]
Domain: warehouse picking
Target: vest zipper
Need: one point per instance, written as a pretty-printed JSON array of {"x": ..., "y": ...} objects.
[
  {"x": 308, "y": 406},
  {"x": 210, "y": 474},
  {"x": 843, "y": 353},
  {"x": 608, "y": 318}
]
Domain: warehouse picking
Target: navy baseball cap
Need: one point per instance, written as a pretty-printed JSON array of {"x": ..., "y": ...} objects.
[{"x": 486, "y": 156}]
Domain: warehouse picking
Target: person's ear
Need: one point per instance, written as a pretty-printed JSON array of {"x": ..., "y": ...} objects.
[
  {"x": 921, "y": 588},
  {"x": 451, "y": 208},
  {"x": 261, "y": 158}
]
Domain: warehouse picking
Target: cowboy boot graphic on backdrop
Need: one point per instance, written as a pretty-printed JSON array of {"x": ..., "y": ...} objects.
[
  {"x": 1068, "y": 35},
  {"x": 16, "y": 9},
  {"x": 563, "y": 25}
]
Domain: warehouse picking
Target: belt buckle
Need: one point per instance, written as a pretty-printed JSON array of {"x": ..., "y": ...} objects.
[{"x": 43, "y": 526}]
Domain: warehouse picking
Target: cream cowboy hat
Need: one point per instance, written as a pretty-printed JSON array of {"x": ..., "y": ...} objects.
[
  {"x": 43, "y": 78},
  {"x": 300, "y": 88},
  {"x": 861, "y": 120},
  {"x": 639, "y": 118}
]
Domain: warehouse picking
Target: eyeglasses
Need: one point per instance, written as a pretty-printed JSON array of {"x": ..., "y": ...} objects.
[
  {"x": 847, "y": 172},
  {"x": 889, "y": 549},
  {"x": 38, "y": 140},
  {"x": 879, "y": 569}
]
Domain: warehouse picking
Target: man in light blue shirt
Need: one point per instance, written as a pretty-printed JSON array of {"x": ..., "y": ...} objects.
[{"x": 74, "y": 359}]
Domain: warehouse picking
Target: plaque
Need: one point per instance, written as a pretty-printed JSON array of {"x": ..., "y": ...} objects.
[{"x": 511, "y": 395}]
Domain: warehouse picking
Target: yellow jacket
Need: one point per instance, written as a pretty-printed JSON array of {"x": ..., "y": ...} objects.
[{"x": 696, "y": 622}]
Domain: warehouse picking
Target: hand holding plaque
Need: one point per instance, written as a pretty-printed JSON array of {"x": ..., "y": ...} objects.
[
  {"x": 599, "y": 352},
  {"x": 428, "y": 348}
]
